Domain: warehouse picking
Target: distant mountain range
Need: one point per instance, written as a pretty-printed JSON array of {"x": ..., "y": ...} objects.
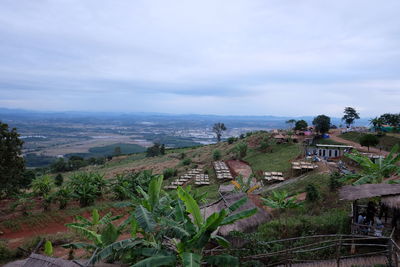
[{"x": 232, "y": 120}]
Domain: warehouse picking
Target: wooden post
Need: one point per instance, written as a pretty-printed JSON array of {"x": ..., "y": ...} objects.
[
  {"x": 339, "y": 247},
  {"x": 390, "y": 253}
]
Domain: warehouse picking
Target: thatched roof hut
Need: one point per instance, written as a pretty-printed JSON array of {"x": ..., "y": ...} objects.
[
  {"x": 352, "y": 193},
  {"x": 244, "y": 225}
]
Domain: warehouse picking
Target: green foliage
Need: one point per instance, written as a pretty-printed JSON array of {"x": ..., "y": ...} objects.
[
  {"x": 186, "y": 161},
  {"x": 281, "y": 200},
  {"x": 313, "y": 193},
  {"x": 43, "y": 185},
  {"x": 218, "y": 128},
  {"x": 335, "y": 181},
  {"x": 369, "y": 140},
  {"x": 333, "y": 222},
  {"x": 12, "y": 165},
  {"x": 99, "y": 230},
  {"x": 158, "y": 218},
  {"x": 59, "y": 179},
  {"x": 350, "y": 115},
  {"x": 322, "y": 123},
  {"x": 63, "y": 195},
  {"x": 240, "y": 150},
  {"x": 267, "y": 144},
  {"x": 170, "y": 172},
  {"x": 232, "y": 140},
  {"x": 374, "y": 172},
  {"x": 277, "y": 161},
  {"x": 23, "y": 202},
  {"x": 216, "y": 154},
  {"x": 86, "y": 187},
  {"x": 48, "y": 248},
  {"x": 125, "y": 185},
  {"x": 156, "y": 150},
  {"x": 6, "y": 254},
  {"x": 301, "y": 125}
]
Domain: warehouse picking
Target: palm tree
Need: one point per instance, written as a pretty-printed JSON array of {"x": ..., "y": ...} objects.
[{"x": 377, "y": 123}]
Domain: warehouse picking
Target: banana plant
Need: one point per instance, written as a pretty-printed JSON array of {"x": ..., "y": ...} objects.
[
  {"x": 173, "y": 231},
  {"x": 374, "y": 172},
  {"x": 101, "y": 231}
]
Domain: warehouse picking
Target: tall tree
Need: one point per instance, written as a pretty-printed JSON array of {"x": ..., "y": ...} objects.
[
  {"x": 12, "y": 164},
  {"x": 350, "y": 115},
  {"x": 369, "y": 140},
  {"x": 322, "y": 123},
  {"x": 301, "y": 125},
  {"x": 218, "y": 128},
  {"x": 391, "y": 119}
]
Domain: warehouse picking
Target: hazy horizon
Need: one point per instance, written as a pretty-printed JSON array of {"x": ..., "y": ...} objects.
[{"x": 244, "y": 58}]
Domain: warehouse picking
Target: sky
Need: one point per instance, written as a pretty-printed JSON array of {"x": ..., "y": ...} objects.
[{"x": 250, "y": 57}]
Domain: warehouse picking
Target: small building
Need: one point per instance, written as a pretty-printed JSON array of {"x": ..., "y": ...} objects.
[
  {"x": 329, "y": 151},
  {"x": 389, "y": 195}
]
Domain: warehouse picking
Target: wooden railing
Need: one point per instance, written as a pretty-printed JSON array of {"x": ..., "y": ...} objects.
[{"x": 326, "y": 247}]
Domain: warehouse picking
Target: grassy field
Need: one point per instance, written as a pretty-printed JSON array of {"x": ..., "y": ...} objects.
[
  {"x": 319, "y": 179},
  {"x": 386, "y": 141},
  {"x": 278, "y": 160},
  {"x": 104, "y": 151}
]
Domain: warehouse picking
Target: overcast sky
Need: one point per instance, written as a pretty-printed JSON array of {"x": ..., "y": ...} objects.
[{"x": 247, "y": 57}]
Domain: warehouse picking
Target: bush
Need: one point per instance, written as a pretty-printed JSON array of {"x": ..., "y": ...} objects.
[
  {"x": 334, "y": 181},
  {"x": 241, "y": 136},
  {"x": 369, "y": 140},
  {"x": 5, "y": 253},
  {"x": 59, "y": 179},
  {"x": 332, "y": 222},
  {"x": 231, "y": 140},
  {"x": 241, "y": 150},
  {"x": 216, "y": 154},
  {"x": 313, "y": 193},
  {"x": 182, "y": 155},
  {"x": 170, "y": 172},
  {"x": 86, "y": 187},
  {"x": 186, "y": 161}
]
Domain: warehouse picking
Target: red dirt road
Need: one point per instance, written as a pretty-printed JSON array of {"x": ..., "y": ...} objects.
[{"x": 334, "y": 136}]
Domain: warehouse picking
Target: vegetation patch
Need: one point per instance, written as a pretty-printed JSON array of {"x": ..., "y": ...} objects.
[{"x": 279, "y": 160}]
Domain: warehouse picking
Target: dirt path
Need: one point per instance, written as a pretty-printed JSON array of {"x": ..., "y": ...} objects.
[
  {"x": 335, "y": 137},
  {"x": 240, "y": 168}
]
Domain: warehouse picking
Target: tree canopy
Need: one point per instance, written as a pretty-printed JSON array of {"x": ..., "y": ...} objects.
[
  {"x": 350, "y": 115},
  {"x": 322, "y": 123},
  {"x": 218, "y": 128},
  {"x": 369, "y": 140},
  {"x": 301, "y": 125},
  {"x": 12, "y": 164}
]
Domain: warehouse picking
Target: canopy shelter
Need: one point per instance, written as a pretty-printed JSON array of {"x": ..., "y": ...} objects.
[{"x": 388, "y": 193}]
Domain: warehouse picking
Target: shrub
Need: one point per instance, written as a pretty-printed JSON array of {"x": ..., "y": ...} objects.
[
  {"x": 59, "y": 179},
  {"x": 170, "y": 172},
  {"x": 231, "y": 140},
  {"x": 313, "y": 193},
  {"x": 334, "y": 181},
  {"x": 182, "y": 155},
  {"x": 249, "y": 134},
  {"x": 241, "y": 136},
  {"x": 186, "y": 161},
  {"x": 369, "y": 140},
  {"x": 241, "y": 150},
  {"x": 62, "y": 196},
  {"x": 86, "y": 187},
  {"x": 216, "y": 154},
  {"x": 332, "y": 222}
]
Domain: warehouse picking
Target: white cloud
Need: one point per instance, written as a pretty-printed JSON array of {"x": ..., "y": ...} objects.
[{"x": 226, "y": 57}]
